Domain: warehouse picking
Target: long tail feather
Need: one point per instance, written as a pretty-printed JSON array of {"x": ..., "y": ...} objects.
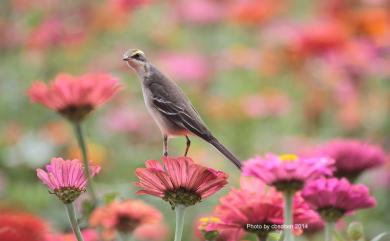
[{"x": 225, "y": 152}]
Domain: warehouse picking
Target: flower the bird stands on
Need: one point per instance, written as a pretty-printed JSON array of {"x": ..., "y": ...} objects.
[
  {"x": 288, "y": 172},
  {"x": 65, "y": 178},
  {"x": 124, "y": 217},
  {"x": 332, "y": 198},
  {"x": 351, "y": 157},
  {"x": 74, "y": 97},
  {"x": 179, "y": 181}
]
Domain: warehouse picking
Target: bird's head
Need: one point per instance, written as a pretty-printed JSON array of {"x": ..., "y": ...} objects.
[{"x": 136, "y": 59}]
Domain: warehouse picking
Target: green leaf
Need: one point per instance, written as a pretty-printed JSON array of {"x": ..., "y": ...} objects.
[{"x": 110, "y": 197}]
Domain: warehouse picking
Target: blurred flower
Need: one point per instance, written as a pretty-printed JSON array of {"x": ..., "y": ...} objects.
[
  {"x": 333, "y": 198},
  {"x": 129, "y": 120},
  {"x": 88, "y": 235},
  {"x": 258, "y": 106},
  {"x": 20, "y": 226},
  {"x": 200, "y": 11},
  {"x": 371, "y": 21},
  {"x": 48, "y": 34},
  {"x": 322, "y": 36},
  {"x": 186, "y": 66},
  {"x": 74, "y": 97},
  {"x": 254, "y": 11},
  {"x": 179, "y": 181},
  {"x": 287, "y": 172},
  {"x": 124, "y": 216},
  {"x": 352, "y": 157},
  {"x": 203, "y": 230},
  {"x": 152, "y": 232},
  {"x": 97, "y": 153},
  {"x": 65, "y": 178}
]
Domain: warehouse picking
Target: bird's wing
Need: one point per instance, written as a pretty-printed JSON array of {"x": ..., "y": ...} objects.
[{"x": 179, "y": 113}]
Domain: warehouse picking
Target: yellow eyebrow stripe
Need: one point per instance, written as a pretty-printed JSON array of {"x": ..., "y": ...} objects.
[{"x": 137, "y": 51}]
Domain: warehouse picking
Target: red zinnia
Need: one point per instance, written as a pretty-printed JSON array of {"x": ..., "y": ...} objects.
[{"x": 19, "y": 226}]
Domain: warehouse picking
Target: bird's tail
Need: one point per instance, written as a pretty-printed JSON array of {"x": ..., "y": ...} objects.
[{"x": 225, "y": 152}]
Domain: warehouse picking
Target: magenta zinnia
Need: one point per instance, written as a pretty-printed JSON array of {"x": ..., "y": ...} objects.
[
  {"x": 74, "y": 96},
  {"x": 179, "y": 181},
  {"x": 332, "y": 198},
  {"x": 287, "y": 172},
  {"x": 65, "y": 178},
  {"x": 352, "y": 157}
]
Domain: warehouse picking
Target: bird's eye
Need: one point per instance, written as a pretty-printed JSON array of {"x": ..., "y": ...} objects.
[{"x": 136, "y": 56}]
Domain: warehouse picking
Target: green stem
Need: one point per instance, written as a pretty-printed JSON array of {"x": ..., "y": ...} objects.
[
  {"x": 288, "y": 219},
  {"x": 83, "y": 147},
  {"x": 73, "y": 221},
  {"x": 328, "y": 231},
  {"x": 180, "y": 212}
]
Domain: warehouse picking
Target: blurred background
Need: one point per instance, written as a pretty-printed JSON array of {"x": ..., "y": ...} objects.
[{"x": 266, "y": 75}]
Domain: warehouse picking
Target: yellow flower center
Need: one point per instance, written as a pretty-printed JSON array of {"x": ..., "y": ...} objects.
[
  {"x": 203, "y": 222},
  {"x": 288, "y": 157}
]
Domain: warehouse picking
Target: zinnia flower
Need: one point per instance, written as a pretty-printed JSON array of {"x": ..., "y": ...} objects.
[
  {"x": 65, "y": 178},
  {"x": 74, "y": 97},
  {"x": 332, "y": 198},
  {"x": 20, "y": 226},
  {"x": 352, "y": 157},
  {"x": 179, "y": 181},
  {"x": 287, "y": 172},
  {"x": 257, "y": 210},
  {"x": 124, "y": 216}
]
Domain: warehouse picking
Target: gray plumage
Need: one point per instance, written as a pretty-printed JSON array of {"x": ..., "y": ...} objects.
[{"x": 170, "y": 107}]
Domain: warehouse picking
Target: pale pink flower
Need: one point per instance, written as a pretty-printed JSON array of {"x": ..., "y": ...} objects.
[
  {"x": 152, "y": 232},
  {"x": 66, "y": 178},
  {"x": 287, "y": 172},
  {"x": 352, "y": 157},
  {"x": 88, "y": 235},
  {"x": 186, "y": 66},
  {"x": 48, "y": 34},
  {"x": 332, "y": 198},
  {"x": 124, "y": 216},
  {"x": 200, "y": 11},
  {"x": 179, "y": 181},
  {"x": 74, "y": 96}
]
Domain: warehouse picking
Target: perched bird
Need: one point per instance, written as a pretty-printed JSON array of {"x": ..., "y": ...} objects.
[{"x": 170, "y": 107}]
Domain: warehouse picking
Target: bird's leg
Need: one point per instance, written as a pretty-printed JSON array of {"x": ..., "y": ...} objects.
[
  {"x": 165, "y": 146},
  {"x": 188, "y": 144}
]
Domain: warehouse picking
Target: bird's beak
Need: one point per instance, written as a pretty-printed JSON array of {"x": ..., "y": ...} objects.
[{"x": 126, "y": 58}]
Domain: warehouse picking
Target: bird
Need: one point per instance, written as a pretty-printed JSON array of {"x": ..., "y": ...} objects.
[{"x": 170, "y": 108}]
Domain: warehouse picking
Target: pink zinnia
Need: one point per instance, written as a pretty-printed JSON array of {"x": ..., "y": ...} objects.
[
  {"x": 65, "y": 178},
  {"x": 352, "y": 157},
  {"x": 179, "y": 181},
  {"x": 249, "y": 209},
  {"x": 287, "y": 172},
  {"x": 332, "y": 198},
  {"x": 74, "y": 96},
  {"x": 124, "y": 216}
]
